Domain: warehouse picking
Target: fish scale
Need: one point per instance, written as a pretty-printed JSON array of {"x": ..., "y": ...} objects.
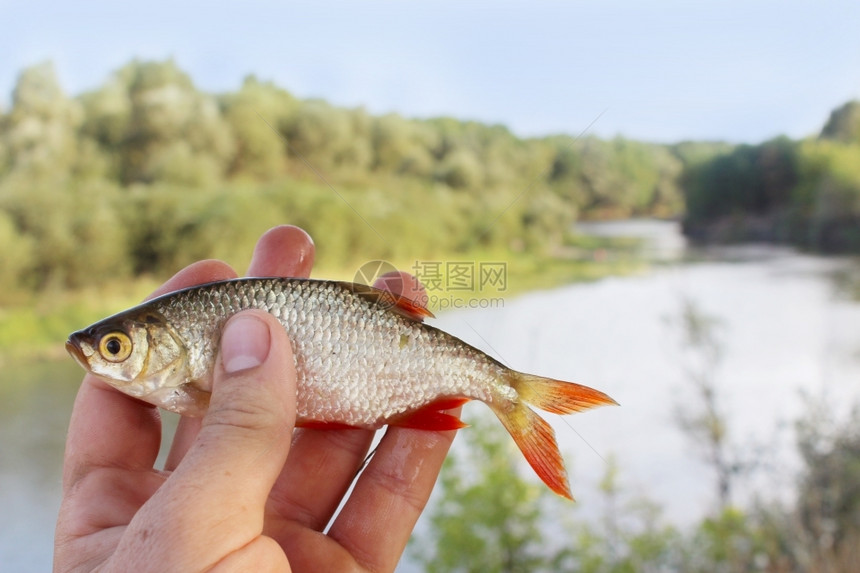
[
  {"x": 364, "y": 358},
  {"x": 347, "y": 349}
]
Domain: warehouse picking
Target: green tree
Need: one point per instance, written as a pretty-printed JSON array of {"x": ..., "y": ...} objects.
[
  {"x": 631, "y": 537},
  {"x": 258, "y": 113},
  {"x": 828, "y": 497},
  {"x": 826, "y": 201},
  {"x": 39, "y": 134},
  {"x": 75, "y": 234},
  {"x": 729, "y": 542},
  {"x": 843, "y": 125},
  {"x": 15, "y": 257},
  {"x": 488, "y": 519},
  {"x": 329, "y": 138},
  {"x": 401, "y": 147},
  {"x": 162, "y": 127}
]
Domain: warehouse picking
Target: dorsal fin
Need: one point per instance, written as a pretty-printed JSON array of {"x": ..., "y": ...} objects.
[{"x": 400, "y": 304}]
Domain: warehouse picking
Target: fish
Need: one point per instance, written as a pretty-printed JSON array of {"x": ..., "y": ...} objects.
[{"x": 364, "y": 358}]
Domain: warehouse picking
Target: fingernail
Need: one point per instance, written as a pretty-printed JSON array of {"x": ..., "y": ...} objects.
[{"x": 244, "y": 343}]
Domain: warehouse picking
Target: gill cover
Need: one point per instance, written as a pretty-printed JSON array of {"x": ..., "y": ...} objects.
[{"x": 137, "y": 353}]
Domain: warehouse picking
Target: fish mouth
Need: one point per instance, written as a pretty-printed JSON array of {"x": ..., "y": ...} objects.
[{"x": 73, "y": 347}]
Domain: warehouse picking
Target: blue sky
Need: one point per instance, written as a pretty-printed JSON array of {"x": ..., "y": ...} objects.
[{"x": 663, "y": 70}]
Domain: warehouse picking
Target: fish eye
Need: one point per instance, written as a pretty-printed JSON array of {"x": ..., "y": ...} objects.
[{"x": 115, "y": 346}]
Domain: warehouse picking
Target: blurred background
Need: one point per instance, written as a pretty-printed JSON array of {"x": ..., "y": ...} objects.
[{"x": 665, "y": 199}]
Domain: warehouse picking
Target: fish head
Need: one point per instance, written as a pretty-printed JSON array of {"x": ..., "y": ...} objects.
[{"x": 141, "y": 355}]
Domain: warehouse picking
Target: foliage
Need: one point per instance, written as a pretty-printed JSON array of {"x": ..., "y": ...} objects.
[
  {"x": 828, "y": 497},
  {"x": 748, "y": 180},
  {"x": 703, "y": 418},
  {"x": 488, "y": 519},
  {"x": 843, "y": 124},
  {"x": 805, "y": 193},
  {"x": 146, "y": 173}
]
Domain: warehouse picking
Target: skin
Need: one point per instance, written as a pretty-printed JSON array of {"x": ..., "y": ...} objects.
[{"x": 241, "y": 489}]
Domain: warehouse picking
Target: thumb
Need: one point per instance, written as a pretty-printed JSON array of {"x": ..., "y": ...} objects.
[
  {"x": 216, "y": 496},
  {"x": 245, "y": 435}
]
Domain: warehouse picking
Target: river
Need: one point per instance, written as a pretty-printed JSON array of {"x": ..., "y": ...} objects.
[{"x": 787, "y": 322}]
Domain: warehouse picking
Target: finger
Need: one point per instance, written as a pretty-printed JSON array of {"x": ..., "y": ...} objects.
[
  {"x": 377, "y": 520},
  {"x": 93, "y": 516},
  {"x": 281, "y": 251},
  {"x": 323, "y": 463},
  {"x": 260, "y": 556},
  {"x": 402, "y": 284},
  {"x": 244, "y": 440},
  {"x": 201, "y": 272},
  {"x": 284, "y": 251},
  {"x": 252, "y": 409},
  {"x": 186, "y": 432},
  {"x": 198, "y": 273},
  {"x": 109, "y": 430},
  {"x": 318, "y": 473}
]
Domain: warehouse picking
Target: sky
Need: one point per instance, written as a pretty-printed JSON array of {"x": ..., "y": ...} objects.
[{"x": 663, "y": 71}]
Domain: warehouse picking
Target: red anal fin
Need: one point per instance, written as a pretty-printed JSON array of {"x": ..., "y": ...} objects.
[
  {"x": 447, "y": 403},
  {"x": 431, "y": 417}
]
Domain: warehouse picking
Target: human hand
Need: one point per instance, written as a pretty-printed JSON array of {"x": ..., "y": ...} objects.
[{"x": 240, "y": 489}]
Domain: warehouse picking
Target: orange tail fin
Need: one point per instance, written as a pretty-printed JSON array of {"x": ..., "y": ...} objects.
[{"x": 532, "y": 434}]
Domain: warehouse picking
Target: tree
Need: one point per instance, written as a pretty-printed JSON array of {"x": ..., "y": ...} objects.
[
  {"x": 843, "y": 125},
  {"x": 487, "y": 518},
  {"x": 40, "y": 132},
  {"x": 401, "y": 146},
  {"x": 257, "y": 114},
  {"x": 159, "y": 126},
  {"x": 631, "y": 536},
  {"x": 828, "y": 497},
  {"x": 703, "y": 419},
  {"x": 329, "y": 138}
]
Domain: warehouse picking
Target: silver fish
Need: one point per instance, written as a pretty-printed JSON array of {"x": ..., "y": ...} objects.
[{"x": 364, "y": 358}]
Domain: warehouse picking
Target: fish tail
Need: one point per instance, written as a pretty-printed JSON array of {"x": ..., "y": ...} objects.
[
  {"x": 557, "y": 396},
  {"x": 532, "y": 434}
]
